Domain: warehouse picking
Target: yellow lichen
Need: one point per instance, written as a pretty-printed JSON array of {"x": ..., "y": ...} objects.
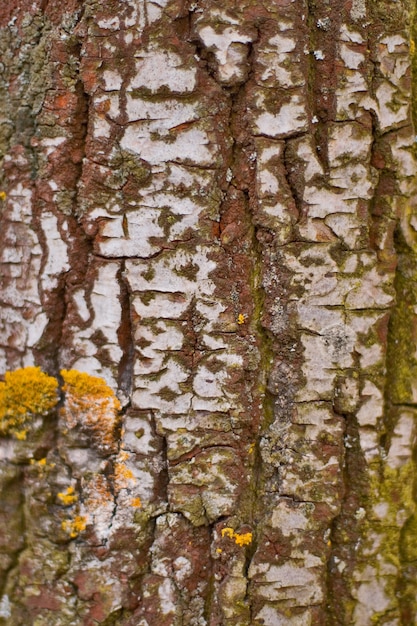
[
  {"x": 3, "y": 195},
  {"x": 228, "y": 532},
  {"x": 25, "y": 393},
  {"x": 241, "y": 539},
  {"x": 240, "y": 318},
  {"x": 82, "y": 385},
  {"x": 136, "y": 503},
  {"x": 40, "y": 462},
  {"x": 20, "y": 434},
  {"x": 90, "y": 403},
  {"x": 42, "y": 465},
  {"x": 68, "y": 496},
  {"x": 74, "y": 527}
]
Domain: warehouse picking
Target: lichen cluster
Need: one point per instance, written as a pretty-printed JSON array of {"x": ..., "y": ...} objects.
[
  {"x": 241, "y": 539},
  {"x": 90, "y": 403},
  {"x": 25, "y": 393},
  {"x": 28, "y": 393},
  {"x": 74, "y": 527}
]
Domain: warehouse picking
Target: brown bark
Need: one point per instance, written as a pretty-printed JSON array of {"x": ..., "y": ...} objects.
[{"x": 211, "y": 207}]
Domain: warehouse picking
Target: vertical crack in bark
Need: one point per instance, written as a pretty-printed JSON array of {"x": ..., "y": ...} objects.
[
  {"x": 293, "y": 177},
  {"x": 163, "y": 470},
  {"x": 126, "y": 339},
  {"x": 323, "y": 22},
  {"x": 78, "y": 244},
  {"x": 346, "y": 528}
]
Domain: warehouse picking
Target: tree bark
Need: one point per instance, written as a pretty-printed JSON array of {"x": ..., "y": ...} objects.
[{"x": 212, "y": 208}]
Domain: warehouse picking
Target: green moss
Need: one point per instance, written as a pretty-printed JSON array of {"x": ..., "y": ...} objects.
[
  {"x": 167, "y": 394},
  {"x": 146, "y": 297},
  {"x": 189, "y": 271},
  {"x": 401, "y": 361},
  {"x": 126, "y": 164},
  {"x": 408, "y": 543},
  {"x": 394, "y": 489},
  {"x": 149, "y": 274}
]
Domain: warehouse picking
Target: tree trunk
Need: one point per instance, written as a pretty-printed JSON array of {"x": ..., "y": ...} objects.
[{"x": 212, "y": 209}]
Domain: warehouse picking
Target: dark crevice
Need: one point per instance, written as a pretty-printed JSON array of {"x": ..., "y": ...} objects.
[
  {"x": 293, "y": 167},
  {"x": 55, "y": 303},
  {"x": 126, "y": 339},
  {"x": 323, "y": 22},
  {"x": 163, "y": 474},
  {"x": 345, "y": 529}
]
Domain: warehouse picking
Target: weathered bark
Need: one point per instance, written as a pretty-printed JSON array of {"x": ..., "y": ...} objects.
[{"x": 211, "y": 206}]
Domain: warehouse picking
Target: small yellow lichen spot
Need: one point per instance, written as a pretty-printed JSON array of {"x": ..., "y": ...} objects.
[
  {"x": 251, "y": 448},
  {"x": 68, "y": 497},
  {"x": 329, "y": 543},
  {"x": 40, "y": 462},
  {"x": 136, "y": 503},
  {"x": 219, "y": 550},
  {"x": 412, "y": 46},
  {"x": 3, "y": 195},
  {"x": 243, "y": 539},
  {"x": 20, "y": 434},
  {"x": 228, "y": 532},
  {"x": 240, "y": 318},
  {"x": 74, "y": 527}
]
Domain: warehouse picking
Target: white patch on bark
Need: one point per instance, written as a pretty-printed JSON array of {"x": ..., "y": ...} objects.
[{"x": 158, "y": 69}]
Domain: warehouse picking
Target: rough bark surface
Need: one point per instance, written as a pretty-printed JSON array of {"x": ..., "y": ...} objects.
[{"x": 211, "y": 206}]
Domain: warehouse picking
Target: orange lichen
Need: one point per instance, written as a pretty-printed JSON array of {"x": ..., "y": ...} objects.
[
  {"x": 123, "y": 475},
  {"x": 91, "y": 404},
  {"x": 74, "y": 527},
  {"x": 25, "y": 393},
  {"x": 241, "y": 539},
  {"x": 68, "y": 497},
  {"x": 136, "y": 503},
  {"x": 96, "y": 494}
]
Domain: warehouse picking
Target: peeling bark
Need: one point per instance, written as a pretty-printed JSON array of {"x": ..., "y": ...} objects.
[{"x": 211, "y": 208}]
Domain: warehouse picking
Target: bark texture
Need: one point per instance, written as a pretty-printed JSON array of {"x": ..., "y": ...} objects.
[{"x": 211, "y": 206}]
